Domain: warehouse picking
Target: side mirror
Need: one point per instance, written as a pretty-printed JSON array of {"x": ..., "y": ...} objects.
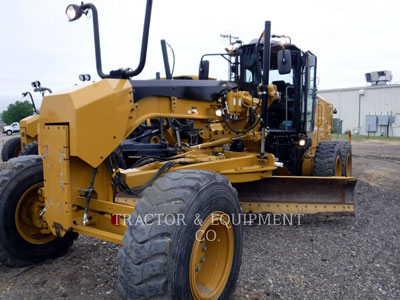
[
  {"x": 284, "y": 61},
  {"x": 204, "y": 69}
]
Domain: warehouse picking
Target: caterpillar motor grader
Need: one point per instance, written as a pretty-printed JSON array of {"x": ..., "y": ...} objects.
[
  {"x": 27, "y": 144},
  {"x": 148, "y": 132},
  {"x": 264, "y": 146},
  {"x": 28, "y": 129}
]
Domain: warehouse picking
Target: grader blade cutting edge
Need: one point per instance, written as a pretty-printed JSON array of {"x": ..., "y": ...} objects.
[{"x": 300, "y": 195}]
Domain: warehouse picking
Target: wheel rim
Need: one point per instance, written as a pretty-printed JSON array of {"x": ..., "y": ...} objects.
[
  {"x": 155, "y": 140},
  {"x": 29, "y": 223},
  {"x": 338, "y": 167},
  {"x": 17, "y": 151},
  {"x": 212, "y": 256},
  {"x": 348, "y": 165}
]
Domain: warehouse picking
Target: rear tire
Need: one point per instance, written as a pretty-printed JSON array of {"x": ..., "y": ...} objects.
[
  {"x": 346, "y": 157},
  {"x": 161, "y": 260},
  {"x": 30, "y": 149},
  {"x": 21, "y": 242},
  {"x": 11, "y": 149},
  {"x": 327, "y": 160}
]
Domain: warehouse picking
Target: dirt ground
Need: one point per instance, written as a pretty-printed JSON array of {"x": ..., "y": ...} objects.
[{"x": 323, "y": 258}]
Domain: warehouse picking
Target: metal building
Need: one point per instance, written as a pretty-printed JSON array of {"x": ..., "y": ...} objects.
[{"x": 373, "y": 110}]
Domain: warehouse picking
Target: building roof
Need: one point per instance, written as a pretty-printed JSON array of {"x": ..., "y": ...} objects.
[{"x": 361, "y": 88}]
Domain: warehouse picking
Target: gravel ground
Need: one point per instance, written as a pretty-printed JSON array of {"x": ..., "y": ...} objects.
[
  {"x": 327, "y": 257},
  {"x": 322, "y": 258}
]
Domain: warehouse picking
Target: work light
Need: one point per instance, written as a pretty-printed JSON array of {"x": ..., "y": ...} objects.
[
  {"x": 84, "y": 77},
  {"x": 73, "y": 12},
  {"x": 35, "y": 84}
]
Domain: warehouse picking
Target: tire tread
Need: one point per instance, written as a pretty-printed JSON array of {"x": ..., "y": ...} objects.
[
  {"x": 325, "y": 158},
  {"x": 143, "y": 259},
  {"x": 8, "y": 150}
]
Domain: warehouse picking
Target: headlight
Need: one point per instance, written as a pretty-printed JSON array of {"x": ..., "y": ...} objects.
[
  {"x": 302, "y": 142},
  {"x": 73, "y": 12}
]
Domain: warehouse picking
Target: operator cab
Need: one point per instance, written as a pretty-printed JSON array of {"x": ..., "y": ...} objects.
[
  {"x": 292, "y": 71},
  {"x": 293, "y": 112},
  {"x": 291, "y": 117}
]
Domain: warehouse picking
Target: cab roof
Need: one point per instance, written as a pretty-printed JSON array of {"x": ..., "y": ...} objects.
[{"x": 275, "y": 44}]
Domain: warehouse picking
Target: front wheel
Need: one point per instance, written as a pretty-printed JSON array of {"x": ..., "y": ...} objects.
[
  {"x": 184, "y": 240},
  {"x": 11, "y": 148},
  {"x": 24, "y": 235},
  {"x": 9, "y": 132}
]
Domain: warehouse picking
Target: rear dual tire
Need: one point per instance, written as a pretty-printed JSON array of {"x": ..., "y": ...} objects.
[
  {"x": 332, "y": 158},
  {"x": 12, "y": 148},
  {"x": 346, "y": 157}
]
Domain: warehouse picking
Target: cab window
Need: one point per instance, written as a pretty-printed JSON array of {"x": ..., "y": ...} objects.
[
  {"x": 311, "y": 100},
  {"x": 309, "y": 93}
]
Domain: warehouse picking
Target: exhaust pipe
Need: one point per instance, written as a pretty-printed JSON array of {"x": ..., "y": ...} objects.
[
  {"x": 165, "y": 58},
  {"x": 266, "y": 67}
]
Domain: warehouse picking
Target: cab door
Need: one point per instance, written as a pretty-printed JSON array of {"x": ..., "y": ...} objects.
[{"x": 309, "y": 92}]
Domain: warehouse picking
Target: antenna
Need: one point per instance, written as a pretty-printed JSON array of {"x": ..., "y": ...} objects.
[{"x": 232, "y": 39}]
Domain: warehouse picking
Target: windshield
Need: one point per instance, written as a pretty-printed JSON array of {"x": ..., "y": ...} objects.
[
  {"x": 281, "y": 113},
  {"x": 275, "y": 76},
  {"x": 248, "y": 65},
  {"x": 249, "y": 70}
]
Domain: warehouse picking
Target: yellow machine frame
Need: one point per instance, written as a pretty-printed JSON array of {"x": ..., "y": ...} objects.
[
  {"x": 28, "y": 130},
  {"x": 73, "y": 142}
]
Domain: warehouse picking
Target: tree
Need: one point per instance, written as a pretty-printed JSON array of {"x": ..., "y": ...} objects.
[{"x": 17, "y": 111}]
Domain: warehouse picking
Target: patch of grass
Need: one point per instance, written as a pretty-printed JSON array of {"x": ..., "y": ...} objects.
[{"x": 343, "y": 136}]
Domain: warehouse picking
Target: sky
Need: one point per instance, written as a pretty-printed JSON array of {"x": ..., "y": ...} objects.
[{"x": 349, "y": 38}]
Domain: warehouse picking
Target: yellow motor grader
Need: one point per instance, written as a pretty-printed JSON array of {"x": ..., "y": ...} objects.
[
  {"x": 26, "y": 144},
  {"x": 263, "y": 147}
]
